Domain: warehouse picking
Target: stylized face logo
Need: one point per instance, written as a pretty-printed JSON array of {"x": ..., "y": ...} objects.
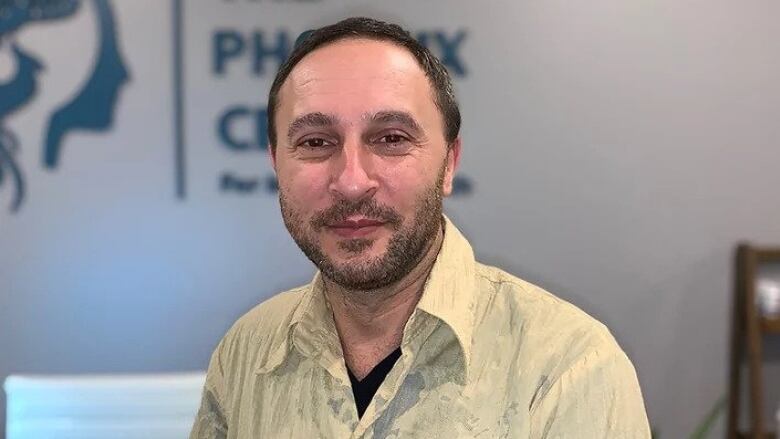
[{"x": 92, "y": 108}]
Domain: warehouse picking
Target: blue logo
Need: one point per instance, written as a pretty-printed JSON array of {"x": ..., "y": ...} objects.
[{"x": 91, "y": 108}]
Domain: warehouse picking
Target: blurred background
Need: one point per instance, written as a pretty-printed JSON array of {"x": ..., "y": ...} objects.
[{"x": 615, "y": 153}]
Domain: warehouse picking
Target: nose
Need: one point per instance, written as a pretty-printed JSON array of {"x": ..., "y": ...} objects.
[{"x": 353, "y": 175}]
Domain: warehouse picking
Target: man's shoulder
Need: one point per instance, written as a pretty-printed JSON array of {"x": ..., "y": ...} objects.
[
  {"x": 257, "y": 333},
  {"x": 274, "y": 313},
  {"x": 539, "y": 321},
  {"x": 251, "y": 340}
]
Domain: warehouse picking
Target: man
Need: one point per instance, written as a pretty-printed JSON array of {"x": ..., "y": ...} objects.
[{"x": 401, "y": 333}]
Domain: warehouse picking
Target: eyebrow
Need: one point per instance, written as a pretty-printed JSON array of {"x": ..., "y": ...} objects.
[
  {"x": 400, "y": 117},
  {"x": 322, "y": 120},
  {"x": 310, "y": 120}
]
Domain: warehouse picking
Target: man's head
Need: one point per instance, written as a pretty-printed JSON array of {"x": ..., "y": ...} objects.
[{"x": 364, "y": 135}]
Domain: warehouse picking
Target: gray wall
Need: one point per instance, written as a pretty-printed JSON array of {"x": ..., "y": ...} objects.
[{"x": 619, "y": 151}]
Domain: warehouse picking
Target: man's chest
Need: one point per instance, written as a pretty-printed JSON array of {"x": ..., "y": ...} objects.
[{"x": 303, "y": 399}]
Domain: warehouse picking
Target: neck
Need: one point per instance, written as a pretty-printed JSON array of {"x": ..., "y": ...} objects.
[{"x": 370, "y": 323}]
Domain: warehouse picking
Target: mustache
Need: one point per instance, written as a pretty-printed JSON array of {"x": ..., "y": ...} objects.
[{"x": 368, "y": 207}]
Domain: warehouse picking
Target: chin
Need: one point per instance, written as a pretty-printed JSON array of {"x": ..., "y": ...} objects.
[{"x": 356, "y": 250}]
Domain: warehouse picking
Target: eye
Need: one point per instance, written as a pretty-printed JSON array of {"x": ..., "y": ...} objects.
[
  {"x": 392, "y": 138},
  {"x": 314, "y": 142},
  {"x": 392, "y": 144},
  {"x": 314, "y": 147}
]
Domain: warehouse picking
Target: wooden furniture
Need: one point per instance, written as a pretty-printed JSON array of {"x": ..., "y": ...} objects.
[{"x": 748, "y": 329}]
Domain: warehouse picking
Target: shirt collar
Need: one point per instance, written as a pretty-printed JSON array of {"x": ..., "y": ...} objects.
[
  {"x": 308, "y": 329},
  {"x": 450, "y": 291},
  {"x": 449, "y": 295}
]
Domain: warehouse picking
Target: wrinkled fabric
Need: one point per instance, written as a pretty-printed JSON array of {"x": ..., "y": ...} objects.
[{"x": 485, "y": 354}]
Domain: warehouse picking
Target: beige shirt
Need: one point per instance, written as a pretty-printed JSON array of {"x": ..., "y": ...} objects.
[{"x": 484, "y": 354}]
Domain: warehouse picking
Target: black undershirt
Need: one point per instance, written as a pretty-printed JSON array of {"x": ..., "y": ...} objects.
[{"x": 364, "y": 390}]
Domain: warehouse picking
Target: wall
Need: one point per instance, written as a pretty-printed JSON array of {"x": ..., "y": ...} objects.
[{"x": 615, "y": 151}]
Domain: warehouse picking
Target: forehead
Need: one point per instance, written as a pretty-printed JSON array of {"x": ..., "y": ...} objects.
[{"x": 354, "y": 77}]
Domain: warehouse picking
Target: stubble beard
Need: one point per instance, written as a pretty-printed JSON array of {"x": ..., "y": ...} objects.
[{"x": 405, "y": 249}]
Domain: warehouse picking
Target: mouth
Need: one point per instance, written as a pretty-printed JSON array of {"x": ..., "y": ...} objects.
[{"x": 355, "y": 227}]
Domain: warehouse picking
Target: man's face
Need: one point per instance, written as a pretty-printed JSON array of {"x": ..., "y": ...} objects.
[{"x": 362, "y": 161}]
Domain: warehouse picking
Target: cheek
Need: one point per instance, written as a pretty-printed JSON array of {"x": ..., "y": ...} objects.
[
  {"x": 401, "y": 187},
  {"x": 305, "y": 186}
]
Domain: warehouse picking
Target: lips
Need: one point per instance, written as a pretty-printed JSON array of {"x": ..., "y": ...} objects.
[{"x": 355, "y": 228}]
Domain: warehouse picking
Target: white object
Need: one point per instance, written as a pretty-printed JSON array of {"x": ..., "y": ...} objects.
[
  {"x": 100, "y": 407},
  {"x": 768, "y": 297}
]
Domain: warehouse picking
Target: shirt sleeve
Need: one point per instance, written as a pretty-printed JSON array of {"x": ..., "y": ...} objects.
[
  {"x": 597, "y": 397},
  {"x": 210, "y": 422}
]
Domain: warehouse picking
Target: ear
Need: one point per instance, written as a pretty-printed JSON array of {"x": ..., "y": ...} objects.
[
  {"x": 272, "y": 155},
  {"x": 452, "y": 161}
]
